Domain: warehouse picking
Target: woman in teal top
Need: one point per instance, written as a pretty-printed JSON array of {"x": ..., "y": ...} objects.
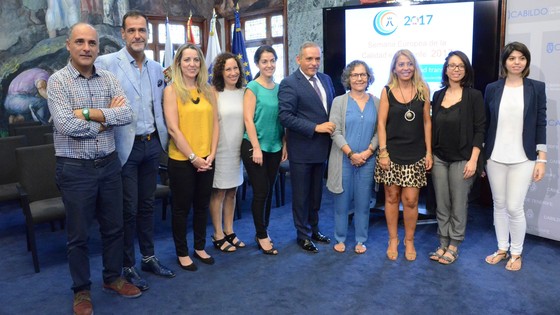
[{"x": 263, "y": 147}]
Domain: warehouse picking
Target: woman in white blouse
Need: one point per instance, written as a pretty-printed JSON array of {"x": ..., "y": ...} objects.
[{"x": 515, "y": 147}]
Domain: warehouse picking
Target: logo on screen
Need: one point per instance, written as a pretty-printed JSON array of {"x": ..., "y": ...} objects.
[
  {"x": 385, "y": 22},
  {"x": 552, "y": 47}
]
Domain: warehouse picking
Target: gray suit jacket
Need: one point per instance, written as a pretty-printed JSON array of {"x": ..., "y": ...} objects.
[{"x": 118, "y": 64}]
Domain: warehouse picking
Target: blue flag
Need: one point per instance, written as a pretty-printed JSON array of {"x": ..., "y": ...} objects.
[{"x": 238, "y": 48}]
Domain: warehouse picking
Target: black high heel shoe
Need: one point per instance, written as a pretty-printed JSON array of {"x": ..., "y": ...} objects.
[
  {"x": 191, "y": 267},
  {"x": 208, "y": 260},
  {"x": 272, "y": 251}
]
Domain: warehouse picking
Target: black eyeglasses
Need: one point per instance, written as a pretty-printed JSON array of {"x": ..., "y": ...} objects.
[{"x": 454, "y": 66}]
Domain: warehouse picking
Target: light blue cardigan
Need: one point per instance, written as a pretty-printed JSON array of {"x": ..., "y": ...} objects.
[{"x": 338, "y": 117}]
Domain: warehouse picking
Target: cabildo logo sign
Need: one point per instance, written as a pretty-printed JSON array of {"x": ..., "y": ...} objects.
[{"x": 552, "y": 47}]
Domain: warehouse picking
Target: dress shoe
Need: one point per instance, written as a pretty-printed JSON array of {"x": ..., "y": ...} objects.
[
  {"x": 130, "y": 274},
  {"x": 320, "y": 237},
  {"x": 208, "y": 261},
  {"x": 82, "y": 303},
  {"x": 191, "y": 267},
  {"x": 153, "y": 265},
  {"x": 271, "y": 251},
  {"x": 308, "y": 245},
  {"x": 122, "y": 288}
]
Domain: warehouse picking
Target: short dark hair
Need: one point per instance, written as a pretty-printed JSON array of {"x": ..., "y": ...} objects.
[
  {"x": 218, "y": 71},
  {"x": 468, "y": 79},
  {"x": 133, "y": 13},
  {"x": 345, "y": 77},
  {"x": 508, "y": 49}
]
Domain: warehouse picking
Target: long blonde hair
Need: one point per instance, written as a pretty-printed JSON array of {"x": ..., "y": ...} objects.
[
  {"x": 417, "y": 80},
  {"x": 201, "y": 78}
]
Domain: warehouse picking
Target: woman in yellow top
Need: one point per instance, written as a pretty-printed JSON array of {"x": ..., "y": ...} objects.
[{"x": 192, "y": 121}]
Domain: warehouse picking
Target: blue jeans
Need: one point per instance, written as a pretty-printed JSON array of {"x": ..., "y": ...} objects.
[
  {"x": 92, "y": 190},
  {"x": 139, "y": 176},
  {"x": 357, "y": 183}
]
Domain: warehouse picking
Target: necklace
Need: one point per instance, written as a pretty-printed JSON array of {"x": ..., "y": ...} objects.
[
  {"x": 197, "y": 100},
  {"x": 408, "y": 115}
]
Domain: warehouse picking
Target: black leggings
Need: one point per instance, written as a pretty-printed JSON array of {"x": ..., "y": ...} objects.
[
  {"x": 189, "y": 188},
  {"x": 262, "y": 180}
]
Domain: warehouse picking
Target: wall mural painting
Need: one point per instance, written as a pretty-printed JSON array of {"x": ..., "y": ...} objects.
[
  {"x": 33, "y": 42},
  {"x": 33, "y": 46}
]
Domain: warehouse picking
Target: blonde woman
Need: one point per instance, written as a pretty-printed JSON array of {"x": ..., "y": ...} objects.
[
  {"x": 192, "y": 121},
  {"x": 405, "y": 152}
]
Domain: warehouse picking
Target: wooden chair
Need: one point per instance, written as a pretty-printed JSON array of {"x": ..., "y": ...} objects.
[
  {"x": 8, "y": 167},
  {"x": 40, "y": 198}
]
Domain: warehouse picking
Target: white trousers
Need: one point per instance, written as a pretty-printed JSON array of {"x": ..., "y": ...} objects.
[{"x": 509, "y": 184}]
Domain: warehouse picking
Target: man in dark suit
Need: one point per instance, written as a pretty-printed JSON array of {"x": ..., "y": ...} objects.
[
  {"x": 139, "y": 144},
  {"x": 305, "y": 99}
]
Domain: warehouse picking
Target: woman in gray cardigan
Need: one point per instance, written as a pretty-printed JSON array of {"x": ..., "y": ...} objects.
[{"x": 351, "y": 164}]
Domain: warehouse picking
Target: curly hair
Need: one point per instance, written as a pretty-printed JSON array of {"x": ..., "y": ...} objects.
[
  {"x": 345, "y": 77},
  {"x": 218, "y": 71}
]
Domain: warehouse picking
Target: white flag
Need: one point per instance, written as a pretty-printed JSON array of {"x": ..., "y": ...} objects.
[{"x": 213, "y": 49}]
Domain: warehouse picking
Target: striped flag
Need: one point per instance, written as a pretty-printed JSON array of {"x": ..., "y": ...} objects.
[
  {"x": 213, "y": 49},
  {"x": 168, "y": 57},
  {"x": 190, "y": 35},
  {"x": 238, "y": 47}
]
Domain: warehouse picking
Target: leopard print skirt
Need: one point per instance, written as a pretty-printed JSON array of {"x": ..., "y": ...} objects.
[{"x": 411, "y": 175}]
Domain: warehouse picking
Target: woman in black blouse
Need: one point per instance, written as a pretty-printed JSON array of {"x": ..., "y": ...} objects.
[{"x": 458, "y": 124}]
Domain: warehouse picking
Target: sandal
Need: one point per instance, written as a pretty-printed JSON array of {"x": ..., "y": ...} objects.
[
  {"x": 496, "y": 257},
  {"x": 360, "y": 248},
  {"x": 514, "y": 264},
  {"x": 339, "y": 247},
  {"x": 435, "y": 256},
  {"x": 446, "y": 260},
  {"x": 393, "y": 255},
  {"x": 409, "y": 255},
  {"x": 219, "y": 244},
  {"x": 233, "y": 240}
]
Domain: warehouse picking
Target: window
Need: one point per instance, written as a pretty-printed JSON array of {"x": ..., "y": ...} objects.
[
  {"x": 262, "y": 29},
  {"x": 177, "y": 31}
]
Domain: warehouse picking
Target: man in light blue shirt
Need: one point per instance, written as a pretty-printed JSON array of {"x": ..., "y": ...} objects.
[{"x": 139, "y": 144}]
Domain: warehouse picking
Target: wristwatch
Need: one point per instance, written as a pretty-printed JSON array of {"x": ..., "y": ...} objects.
[
  {"x": 85, "y": 112},
  {"x": 192, "y": 157}
]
